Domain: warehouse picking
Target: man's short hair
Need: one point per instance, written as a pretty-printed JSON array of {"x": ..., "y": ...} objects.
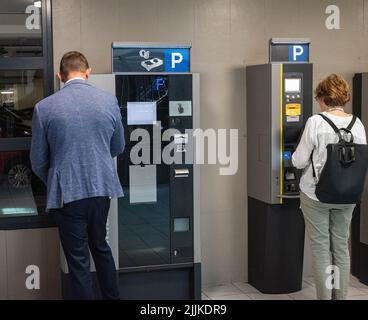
[{"x": 73, "y": 61}]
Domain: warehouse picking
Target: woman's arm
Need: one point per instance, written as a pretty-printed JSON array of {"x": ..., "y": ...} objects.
[{"x": 302, "y": 155}]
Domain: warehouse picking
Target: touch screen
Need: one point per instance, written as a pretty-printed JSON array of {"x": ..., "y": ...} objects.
[
  {"x": 142, "y": 113},
  {"x": 293, "y": 85}
]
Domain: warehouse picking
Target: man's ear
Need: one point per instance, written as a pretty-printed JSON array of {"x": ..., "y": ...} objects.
[
  {"x": 60, "y": 77},
  {"x": 88, "y": 72}
]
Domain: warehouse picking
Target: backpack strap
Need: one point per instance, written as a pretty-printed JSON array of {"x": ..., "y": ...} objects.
[
  {"x": 337, "y": 130},
  {"x": 330, "y": 122},
  {"x": 314, "y": 170},
  {"x": 352, "y": 123}
]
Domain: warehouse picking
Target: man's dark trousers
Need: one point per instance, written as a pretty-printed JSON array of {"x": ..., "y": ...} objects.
[{"x": 82, "y": 225}]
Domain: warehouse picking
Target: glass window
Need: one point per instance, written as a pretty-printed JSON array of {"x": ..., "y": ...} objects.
[
  {"x": 144, "y": 217},
  {"x": 21, "y": 192},
  {"x": 20, "y": 28},
  {"x": 25, "y": 26},
  {"x": 20, "y": 90}
]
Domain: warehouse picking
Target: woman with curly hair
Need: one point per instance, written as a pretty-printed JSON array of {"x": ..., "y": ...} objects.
[{"x": 327, "y": 225}]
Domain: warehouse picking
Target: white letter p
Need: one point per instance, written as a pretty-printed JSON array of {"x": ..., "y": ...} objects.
[
  {"x": 297, "y": 51},
  {"x": 176, "y": 58}
]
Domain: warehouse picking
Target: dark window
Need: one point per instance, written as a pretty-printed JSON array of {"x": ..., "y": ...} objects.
[
  {"x": 20, "y": 28},
  {"x": 26, "y": 77},
  {"x": 20, "y": 90}
]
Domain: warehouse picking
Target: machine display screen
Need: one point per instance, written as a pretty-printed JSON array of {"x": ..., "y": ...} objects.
[
  {"x": 293, "y": 85},
  {"x": 142, "y": 113}
]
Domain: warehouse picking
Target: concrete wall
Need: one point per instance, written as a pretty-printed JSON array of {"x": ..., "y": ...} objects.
[{"x": 226, "y": 35}]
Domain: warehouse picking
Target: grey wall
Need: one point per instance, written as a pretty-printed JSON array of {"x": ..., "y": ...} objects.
[
  {"x": 226, "y": 35},
  {"x": 22, "y": 248}
]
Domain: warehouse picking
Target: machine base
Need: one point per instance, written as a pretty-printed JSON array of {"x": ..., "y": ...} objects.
[
  {"x": 174, "y": 282},
  {"x": 359, "y": 255},
  {"x": 363, "y": 263},
  {"x": 276, "y": 246}
]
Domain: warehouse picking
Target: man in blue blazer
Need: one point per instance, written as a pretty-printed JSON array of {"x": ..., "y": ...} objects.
[{"x": 77, "y": 132}]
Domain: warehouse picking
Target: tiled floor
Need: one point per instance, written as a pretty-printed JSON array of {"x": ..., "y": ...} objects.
[{"x": 244, "y": 291}]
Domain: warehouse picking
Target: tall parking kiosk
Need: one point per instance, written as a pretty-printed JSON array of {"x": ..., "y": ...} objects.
[
  {"x": 279, "y": 102},
  {"x": 360, "y": 217}
]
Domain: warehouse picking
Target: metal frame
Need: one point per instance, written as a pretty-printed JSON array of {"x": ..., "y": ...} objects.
[
  {"x": 44, "y": 63},
  {"x": 276, "y": 133},
  {"x": 290, "y": 41},
  {"x": 197, "y": 173},
  {"x": 153, "y": 45}
]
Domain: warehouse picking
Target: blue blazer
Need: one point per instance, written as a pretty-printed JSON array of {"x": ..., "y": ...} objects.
[{"x": 76, "y": 133}]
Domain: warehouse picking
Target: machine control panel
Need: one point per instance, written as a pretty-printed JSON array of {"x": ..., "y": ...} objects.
[
  {"x": 293, "y": 98},
  {"x": 293, "y": 126}
]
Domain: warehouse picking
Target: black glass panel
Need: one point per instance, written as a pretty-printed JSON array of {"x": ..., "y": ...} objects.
[
  {"x": 19, "y": 93},
  {"x": 144, "y": 225},
  {"x": 21, "y": 192},
  {"x": 20, "y": 28}
]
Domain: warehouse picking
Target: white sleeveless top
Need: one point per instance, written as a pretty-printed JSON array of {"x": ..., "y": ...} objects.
[{"x": 316, "y": 136}]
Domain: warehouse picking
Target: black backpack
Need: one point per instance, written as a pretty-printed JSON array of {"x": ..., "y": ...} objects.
[{"x": 343, "y": 177}]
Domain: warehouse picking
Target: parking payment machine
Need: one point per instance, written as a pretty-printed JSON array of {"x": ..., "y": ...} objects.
[
  {"x": 155, "y": 226},
  {"x": 279, "y": 102},
  {"x": 359, "y": 241}
]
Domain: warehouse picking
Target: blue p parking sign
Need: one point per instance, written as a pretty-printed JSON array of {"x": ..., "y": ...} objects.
[
  {"x": 299, "y": 53},
  {"x": 177, "y": 60},
  {"x": 151, "y": 58}
]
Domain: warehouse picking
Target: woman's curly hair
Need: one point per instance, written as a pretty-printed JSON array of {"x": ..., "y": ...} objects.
[{"x": 334, "y": 91}]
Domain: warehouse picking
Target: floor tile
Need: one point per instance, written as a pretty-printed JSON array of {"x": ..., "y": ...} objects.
[
  {"x": 352, "y": 292},
  {"x": 204, "y": 297},
  {"x": 354, "y": 282},
  {"x": 244, "y": 291},
  {"x": 365, "y": 297},
  {"x": 234, "y": 297},
  {"x": 307, "y": 284},
  {"x": 309, "y": 280},
  {"x": 246, "y": 287},
  {"x": 260, "y": 296},
  {"x": 225, "y": 290},
  {"x": 308, "y": 293}
]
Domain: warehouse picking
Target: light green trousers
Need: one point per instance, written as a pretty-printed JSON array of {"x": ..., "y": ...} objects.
[{"x": 328, "y": 228}]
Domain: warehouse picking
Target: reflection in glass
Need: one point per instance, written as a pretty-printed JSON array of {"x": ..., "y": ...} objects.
[
  {"x": 19, "y": 93},
  {"x": 144, "y": 226},
  {"x": 20, "y": 28},
  {"x": 21, "y": 192}
]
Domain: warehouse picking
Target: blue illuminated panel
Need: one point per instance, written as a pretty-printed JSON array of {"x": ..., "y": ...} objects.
[
  {"x": 146, "y": 60},
  {"x": 287, "y": 155}
]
